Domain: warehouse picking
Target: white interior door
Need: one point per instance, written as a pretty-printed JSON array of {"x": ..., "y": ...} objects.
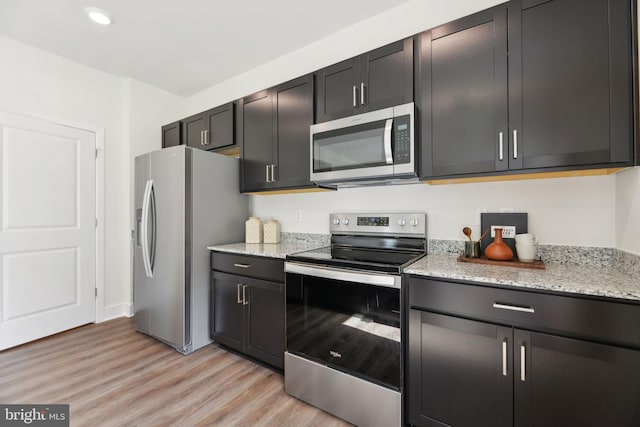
[{"x": 47, "y": 228}]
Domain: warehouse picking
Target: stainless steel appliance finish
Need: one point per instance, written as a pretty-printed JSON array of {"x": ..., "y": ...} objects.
[
  {"x": 350, "y": 398},
  {"x": 375, "y": 147},
  {"x": 344, "y": 315},
  {"x": 185, "y": 199}
]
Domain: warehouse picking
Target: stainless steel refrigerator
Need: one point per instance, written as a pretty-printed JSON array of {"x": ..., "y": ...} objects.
[{"x": 185, "y": 200}]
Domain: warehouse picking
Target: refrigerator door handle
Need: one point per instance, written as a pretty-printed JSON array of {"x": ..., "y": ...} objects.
[
  {"x": 144, "y": 232},
  {"x": 154, "y": 230}
]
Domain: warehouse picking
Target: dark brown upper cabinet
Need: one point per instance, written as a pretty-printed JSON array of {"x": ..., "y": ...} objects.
[
  {"x": 378, "y": 79},
  {"x": 531, "y": 85},
  {"x": 274, "y": 130},
  {"x": 172, "y": 134},
  {"x": 210, "y": 130}
]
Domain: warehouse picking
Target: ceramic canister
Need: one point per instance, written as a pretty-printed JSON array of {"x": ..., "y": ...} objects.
[
  {"x": 272, "y": 231},
  {"x": 253, "y": 230}
]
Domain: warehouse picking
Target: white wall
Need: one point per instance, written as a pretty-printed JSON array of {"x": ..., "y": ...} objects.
[
  {"x": 564, "y": 211},
  {"x": 35, "y": 82},
  {"x": 628, "y": 210}
]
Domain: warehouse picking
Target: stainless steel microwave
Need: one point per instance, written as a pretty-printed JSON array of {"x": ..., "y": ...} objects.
[{"x": 374, "y": 146}]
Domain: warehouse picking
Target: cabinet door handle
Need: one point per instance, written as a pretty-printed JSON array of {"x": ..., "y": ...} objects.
[
  {"x": 201, "y": 137},
  {"x": 500, "y": 136},
  {"x": 267, "y": 176},
  {"x": 523, "y": 363},
  {"x": 245, "y": 301},
  {"x": 362, "y": 96},
  {"x": 206, "y": 137},
  {"x": 242, "y": 265},
  {"x": 273, "y": 173},
  {"x": 515, "y": 143},
  {"x": 504, "y": 357},
  {"x": 239, "y": 285},
  {"x": 513, "y": 307},
  {"x": 355, "y": 96}
]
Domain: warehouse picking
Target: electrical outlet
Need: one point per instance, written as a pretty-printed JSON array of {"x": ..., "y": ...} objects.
[
  {"x": 508, "y": 231},
  {"x": 507, "y": 210},
  {"x": 299, "y": 215}
]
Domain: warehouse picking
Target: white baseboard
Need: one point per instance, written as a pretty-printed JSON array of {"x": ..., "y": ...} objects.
[{"x": 117, "y": 310}]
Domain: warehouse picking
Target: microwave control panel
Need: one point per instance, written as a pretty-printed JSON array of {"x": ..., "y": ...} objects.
[{"x": 402, "y": 139}]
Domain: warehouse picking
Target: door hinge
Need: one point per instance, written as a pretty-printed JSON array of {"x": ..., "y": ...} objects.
[
  {"x": 96, "y": 222},
  {"x": 97, "y": 152},
  {"x": 96, "y": 291}
]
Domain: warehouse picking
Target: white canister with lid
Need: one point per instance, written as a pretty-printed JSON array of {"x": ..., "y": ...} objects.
[
  {"x": 272, "y": 231},
  {"x": 253, "y": 230}
]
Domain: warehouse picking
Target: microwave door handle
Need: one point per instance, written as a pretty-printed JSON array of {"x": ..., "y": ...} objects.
[{"x": 387, "y": 141}]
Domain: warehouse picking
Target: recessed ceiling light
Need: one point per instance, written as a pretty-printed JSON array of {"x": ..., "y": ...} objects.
[{"x": 98, "y": 15}]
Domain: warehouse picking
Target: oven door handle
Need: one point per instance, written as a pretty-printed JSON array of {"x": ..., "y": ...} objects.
[{"x": 386, "y": 280}]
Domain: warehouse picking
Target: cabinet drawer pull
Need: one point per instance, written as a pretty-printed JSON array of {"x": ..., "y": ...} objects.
[
  {"x": 242, "y": 265},
  {"x": 515, "y": 144},
  {"x": 501, "y": 146},
  {"x": 504, "y": 357},
  {"x": 514, "y": 307},
  {"x": 245, "y": 301},
  {"x": 362, "y": 96},
  {"x": 523, "y": 363},
  {"x": 355, "y": 96},
  {"x": 239, "y": 299}
]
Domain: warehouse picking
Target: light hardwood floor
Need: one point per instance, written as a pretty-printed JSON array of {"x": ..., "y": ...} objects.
[{"x": 113, "y": 376}]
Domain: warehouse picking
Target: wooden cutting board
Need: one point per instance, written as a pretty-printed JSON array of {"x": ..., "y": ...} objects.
[{"x": 537, "y": 264}]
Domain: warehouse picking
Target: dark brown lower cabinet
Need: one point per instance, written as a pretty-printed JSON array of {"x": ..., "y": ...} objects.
[
  {"x": 248, "y": 316},
  {"x": 470, "y": 373}
]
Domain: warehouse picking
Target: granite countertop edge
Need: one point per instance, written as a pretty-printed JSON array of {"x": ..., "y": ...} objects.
[
  {"x": 269, "y": 250},
  {"x": 598, "y": 281}
]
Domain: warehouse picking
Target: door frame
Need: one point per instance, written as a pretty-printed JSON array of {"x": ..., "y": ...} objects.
[{"x": 99, "y": 193}]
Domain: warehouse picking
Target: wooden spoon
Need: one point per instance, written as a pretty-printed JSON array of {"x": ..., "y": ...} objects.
[{"x": 467, "y": 232}]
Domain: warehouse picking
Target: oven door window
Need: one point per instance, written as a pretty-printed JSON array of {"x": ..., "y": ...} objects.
[
  {"x": 360, "y": 146},
  {"x": 352, "y": 327}
]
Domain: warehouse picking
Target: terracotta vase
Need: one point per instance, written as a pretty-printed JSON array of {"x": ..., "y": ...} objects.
[{"x": 498, "y": 250}]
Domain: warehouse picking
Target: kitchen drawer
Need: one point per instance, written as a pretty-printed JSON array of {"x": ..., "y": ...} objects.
[
  {"x": 260, "y": 267},
  {"x": 597, "y": 320}
]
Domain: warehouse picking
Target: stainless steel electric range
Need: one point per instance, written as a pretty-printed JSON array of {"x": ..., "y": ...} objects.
[{"x": 344, "y": 341}]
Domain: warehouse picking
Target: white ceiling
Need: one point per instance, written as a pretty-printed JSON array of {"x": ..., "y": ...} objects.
[{"x": 182, "y": 46}]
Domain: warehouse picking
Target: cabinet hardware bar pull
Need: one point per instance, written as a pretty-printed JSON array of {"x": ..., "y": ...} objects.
[
  {"x": 501, "y": 146},
  {"x": 355, "y": 96},
  {"x": 523, "y": 359},
  {"x": 242, "y": 265},
  {"x": 515, "y": 143},
  {"x": 206, "y": 137},
  {"x": 267, "y": 176},
  {"x": 238, "y": 293},
  {"x": 504, "y": 357},
  {"x": 362, "y": 97},
  {"x": 273, "y": 173},
  {"x": 514, "y": 307},
  {"x": 245, "y": 301}
]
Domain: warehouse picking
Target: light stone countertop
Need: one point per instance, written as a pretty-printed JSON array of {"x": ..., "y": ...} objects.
[
  {"x": 576, "y": 279},
  {"x": 271, "y": 250}
]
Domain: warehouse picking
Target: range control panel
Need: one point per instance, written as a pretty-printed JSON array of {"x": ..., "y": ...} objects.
[{"x": 391, "y": 224}]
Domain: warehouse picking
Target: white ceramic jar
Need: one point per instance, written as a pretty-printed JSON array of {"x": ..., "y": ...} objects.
[
  {"x": 253, "y": 230},
  {"x": 272, "y": 231}
]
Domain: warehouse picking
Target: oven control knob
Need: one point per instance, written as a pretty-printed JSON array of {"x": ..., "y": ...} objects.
[
  {"x": 336, "y": 221},
  {"x": 414, "y": 222},
  {"x": 345, "y": 221},
  {"x": 402, "y": 222}
]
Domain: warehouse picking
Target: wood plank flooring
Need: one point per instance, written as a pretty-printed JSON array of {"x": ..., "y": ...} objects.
[{"x": 113, "y": 376}]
